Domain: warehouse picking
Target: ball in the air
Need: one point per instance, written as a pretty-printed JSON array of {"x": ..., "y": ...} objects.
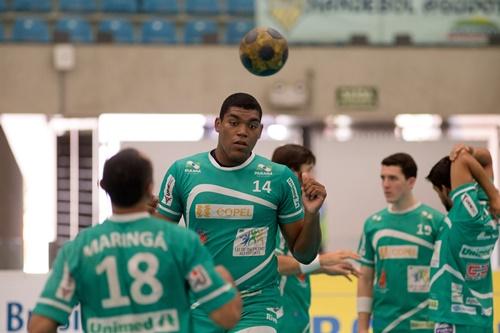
[{"x": 263, "y": 51}]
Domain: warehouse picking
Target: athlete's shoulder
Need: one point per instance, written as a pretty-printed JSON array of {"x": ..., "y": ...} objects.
[
  {"x": 377, "y": 217},
  {"x": 193, "y": 161},
  {"x": 263, "y": 164},
  {"x": 431, "y": 213}
]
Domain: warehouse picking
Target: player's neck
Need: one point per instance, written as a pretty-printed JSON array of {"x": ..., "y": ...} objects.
[
  {"x": 138, "y": 208},
  {"x": 404, "y": 203},
  {"x": 222, "y": 159}
]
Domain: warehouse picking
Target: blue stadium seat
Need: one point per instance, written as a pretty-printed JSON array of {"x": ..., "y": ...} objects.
[
  {"x": 241, "y": 7},
  {"x": 77, "y": 5},
  {"x": 203, "y": 7},
  {"x": 3, "y": 6},
  {"x": 160, "y": 6},
  {"x": 2, "y": 35},
  {"x": 235, "y": 30},
  {"x": 200, "y": 31},
  {"x": 30, "y": 29},
  {"x": 122, "y": 6},
  {"x": 79, "y": 30},
  {"x": 159, "y": 31},
  {"x": 32, "y": 5},
  {"x": 121, "y": 30}
]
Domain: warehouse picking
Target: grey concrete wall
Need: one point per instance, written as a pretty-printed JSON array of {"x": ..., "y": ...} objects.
[{"x": 181, "y": 79}]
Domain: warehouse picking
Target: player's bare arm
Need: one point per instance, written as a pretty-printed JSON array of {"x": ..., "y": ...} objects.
[
  {"x": 304, "y": 236},
  {"x": 41, "y": 324},
  {"x": 365, "y": 296}
]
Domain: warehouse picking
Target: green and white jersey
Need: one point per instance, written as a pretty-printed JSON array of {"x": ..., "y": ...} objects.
[
  {"x": 461, "y": 284},
  {"x": 235, "y": 211},
  {"x": 295, "y": 297},
  {"x": 132, "y": 273},
  {"x": 399, "y": 247}
]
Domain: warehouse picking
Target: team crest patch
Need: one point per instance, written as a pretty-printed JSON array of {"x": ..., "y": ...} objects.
[
  {"x": 444, "y": 328},
  {"x": 192, "y": 167},
  {"x": 263, "y": 170},
  {"x": 418, "y": 279},
  {"x": 250, "y": 242},
  {"x": 477, "y": 271},
  {"x": 199, "y": 279}
]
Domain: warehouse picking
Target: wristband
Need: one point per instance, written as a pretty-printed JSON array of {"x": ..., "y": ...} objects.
[
  {"x": 364, "y": 304},
  {"x": 309, "y": 268}
]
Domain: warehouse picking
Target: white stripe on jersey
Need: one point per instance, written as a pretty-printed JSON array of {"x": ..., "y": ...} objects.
[
  {"x": 406, "y": 315},
  {"x": 254, "y": 271},
  {"x": 160, "y": 207},
  {"x": 212, "y": 295},
  {"x": 201, "y": 188},
  {"x": 290, "y": 215},
  {"x": 55, "y": 304},
  {"x": 458, "y": 275},
  {"x": 401, "y": 235},
  {"x": 468, "y": 188}
]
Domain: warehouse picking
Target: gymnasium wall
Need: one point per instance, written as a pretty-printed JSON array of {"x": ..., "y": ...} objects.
[{"x": 135, "y": 79}]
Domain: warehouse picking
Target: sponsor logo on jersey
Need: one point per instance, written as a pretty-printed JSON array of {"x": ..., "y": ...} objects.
[
  {"x": 263, "y": 170},
  {"x": 199, "y": 279},
  {"x": 295, "y": 194},
  {"x": 167, "y": 193},
  {"x": 377, "y": 218},
  {"x": 67, "y": 285},
  {"x": 203, "y": 236},
  {"x": 226, "y": 212},
  {"x": 250, "y": 242},
  {"x": 398, "y": 252},
  {"x": 483, "y": 235},
  {"x": 456, "y": 293},
  {"x": 162, "y": 321},
  {"x": 472, "y": 301},
  {"x": 433, "y": 304},
  {"x": 418, "y": 279},
  {"x": 272, "y": 314},
  {"x": 382, "y": 280},
  {"x": 192, "y": 167},
  {"x": 444, "y": 328},
  {"x": 469, "y": 205},
  {"x": 459, "y": 308},
  {"x": 487, "y": 312},
  {"x": 436, "y": 254},
  {"x": 476, "y": 271},
  {"x": 421, "y": 325},
  {"x": 476, "y": 252}
]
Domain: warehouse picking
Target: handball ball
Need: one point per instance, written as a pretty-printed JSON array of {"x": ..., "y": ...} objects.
[{"x": 263, "y": 51}]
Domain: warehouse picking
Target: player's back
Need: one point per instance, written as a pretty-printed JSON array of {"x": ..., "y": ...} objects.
[{"x": 130, "y": 275}]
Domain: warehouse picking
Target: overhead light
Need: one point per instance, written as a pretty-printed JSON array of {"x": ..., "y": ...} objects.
[
  {"x": 418, "y": 127},
  {"x": 278, "y": 132}
]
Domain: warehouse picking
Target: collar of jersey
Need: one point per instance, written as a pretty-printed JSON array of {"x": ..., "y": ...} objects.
[
  {"x": 407, "y": 210},
  {"x": 128, "y": 217},
  {"x": 238, "y": 167}
]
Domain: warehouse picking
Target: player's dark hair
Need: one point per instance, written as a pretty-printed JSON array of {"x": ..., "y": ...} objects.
[
  {"x": 440, "y": 174},
  {"x": 126, "y": 177},
  {"x": 404, "y": 161},
  {"x": 240, "y": 100},
  {"x": 293, "y": 156}
]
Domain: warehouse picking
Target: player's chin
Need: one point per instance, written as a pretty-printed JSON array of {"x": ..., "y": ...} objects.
[{"x": 240, "y": 155}]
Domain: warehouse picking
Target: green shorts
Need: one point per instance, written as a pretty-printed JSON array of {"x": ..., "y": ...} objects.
[
  {"x": 258, "y": 311},
  {"x": 452, "y": 328},
  {"x": 293, "y": 321}
]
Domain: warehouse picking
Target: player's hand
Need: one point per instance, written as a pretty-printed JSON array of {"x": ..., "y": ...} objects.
[
  {"x": 336, "y": 257},
  {"x": 495, "y": 206},
  {"x": 458, "y": 149},
  {"x": 345, "y": 269},
  {"x": 152, "y": 204},
  {"x": 313, "y": 193}
]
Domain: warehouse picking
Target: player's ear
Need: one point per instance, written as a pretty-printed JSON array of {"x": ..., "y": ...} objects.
[
  {"x": 217, "y": 124},
  {"x": 412, "y": 181},
  {"x": 260, "y": 130}
]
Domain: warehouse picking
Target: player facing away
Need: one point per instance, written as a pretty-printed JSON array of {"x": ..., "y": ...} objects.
[
  {"x": 132, "y": 273},
  {"x": 396, "y": 249},
  {"x": 236, "y": 201},
  {"x": 461, "y": 295},
  {"x": 295, "y": 286}
]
